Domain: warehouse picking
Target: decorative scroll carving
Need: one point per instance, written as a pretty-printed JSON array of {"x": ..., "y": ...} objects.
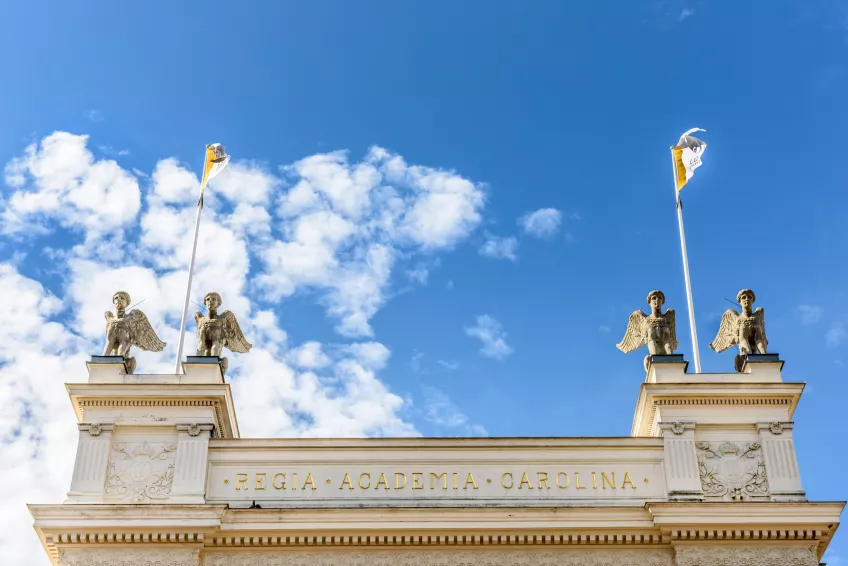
[
  {"x": 749, "y": 556},
  {"x": 140, "y": 471},
  {"x": 128, "y": 557},
  {"x": 444, "y": 558},
  {"x": 677, "y": 428},
  {"x": 776, "y": 428},
  {"x": 730, "y": 472},
  {"x": 95, "y": 429}
]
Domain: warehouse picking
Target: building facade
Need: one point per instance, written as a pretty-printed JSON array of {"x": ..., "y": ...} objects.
[{"x": 707, "y": 477}]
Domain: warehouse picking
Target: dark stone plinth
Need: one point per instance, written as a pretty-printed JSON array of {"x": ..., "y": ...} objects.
[
  {"x": 107, "y": 360},
  {"x": 203, "y": 360}
]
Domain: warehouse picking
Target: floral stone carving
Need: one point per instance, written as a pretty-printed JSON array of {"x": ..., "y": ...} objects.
[
  {"x": 140, "y": 471},
  {"x": 686, "y": 555},
  {"x": 128, "y": 557},
  {"x": 732, "y": 472},
  {"x": 443, "y": 558}
]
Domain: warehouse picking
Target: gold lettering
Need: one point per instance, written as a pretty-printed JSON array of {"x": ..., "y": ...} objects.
[
  {"x": 454, "y": 481},
  {"x": 346, "y": 480},
  {"x": 435, "y": 476},
  {"x": 511, "y": 483},
  {"x": 260, "y": 481},
  {"x": 594, "y": 481},
  {"x": 399, "y": 475},
  {"x": 364, "y": 475},
  {"x": 605, "y": 480},
  {"x": 577, "y": 482},
  {"x": 417, "y": 479},
  {"x": 524, "y": 479},
  {"x": 542, "y": 477},
  {"x": 382, "y": 481},
  {"x": 241, "y": 479},
  {"x": 559, "y": 485},
  {"x": 470, "y": 480},
  {"x": 282, "y": 483},
  {"x": 294, "y": 481},
  {"x": 309, "y": 481},
  {"x": 627, "y": 480}
]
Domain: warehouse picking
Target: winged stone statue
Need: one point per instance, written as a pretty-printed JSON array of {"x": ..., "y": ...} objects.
[
  {"x": 746, "y": 329},
  {"x": 216, "y": 332},
  {"x": 125, "y": 330},
  {"x": 655, "y": 330}
]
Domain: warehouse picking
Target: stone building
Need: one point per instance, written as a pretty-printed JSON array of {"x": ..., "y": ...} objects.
[{"x": 708, "y": 476}]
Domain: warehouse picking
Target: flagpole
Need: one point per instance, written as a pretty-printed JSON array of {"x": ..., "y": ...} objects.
[
  {"x": 190, "y": 273},
  {"x": 692, "y": 329}
]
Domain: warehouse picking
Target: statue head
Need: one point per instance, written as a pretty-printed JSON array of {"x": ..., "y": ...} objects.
[
  {"x": 121, "y": 300},
  {"x": 746, "y": 298},
  {"x": 212, "y": 301},
  {"x": 656, "y": 299}
]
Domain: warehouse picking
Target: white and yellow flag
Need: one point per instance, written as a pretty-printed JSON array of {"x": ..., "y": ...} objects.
[
  {"x": 216, "y": 160},
  {"x": 687, "y": 156}
]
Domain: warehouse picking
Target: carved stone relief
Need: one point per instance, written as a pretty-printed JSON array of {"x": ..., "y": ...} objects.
[
  {"x": 749, "y": 556},
  {"x": 140, "y": 471},
  {"x": 730, "y": 472},
  {"x": 128, "y": 557},
  {"x": 560, "y": 557}
]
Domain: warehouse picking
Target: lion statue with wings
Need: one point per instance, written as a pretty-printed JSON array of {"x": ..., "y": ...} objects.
[
  {"x": 746, "y": 329},
  {"x": 655, "y": 330},
  {"x": 125, "y": 330},
  {"x": 214, "y": 331}
]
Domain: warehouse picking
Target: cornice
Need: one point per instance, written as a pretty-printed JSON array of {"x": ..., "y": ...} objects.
[{"x": 512, "y": 443}]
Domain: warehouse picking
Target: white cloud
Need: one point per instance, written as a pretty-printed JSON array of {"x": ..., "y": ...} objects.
[
  {"x": 835, "y": 335},
  {"x": 542, "y": 223},
  {"x": 59, "y": 179},
  {"x": 810, "y": 314},
  {"x": 448, "y": 365},
  {"x": 441, "y": 411},
  {"x": 499, "y": 248},
  {"x": 309, "y": 356},
  {"x": 244, "y": 182},
  {"x": 686, "y": 13},
  {"x": 492, "y": 336},
  {"x": 419, "y": 275},
  {"x": 343, "y": 228}
]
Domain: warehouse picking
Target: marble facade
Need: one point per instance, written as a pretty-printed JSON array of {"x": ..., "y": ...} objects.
[{"x": 708, "y": 476}]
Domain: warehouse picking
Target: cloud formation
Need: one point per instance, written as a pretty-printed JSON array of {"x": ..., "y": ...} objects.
[
  {"x": 332, "y": 229},
  {"x": 499, "y": 248},
  {"x": 542, "y": 223},
  {"x": 492, "y": 337}
]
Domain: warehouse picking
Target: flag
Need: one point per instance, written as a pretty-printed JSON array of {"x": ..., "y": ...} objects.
[
  {"x": 216, "y": 160},
  {"x": 687, "y": 156}
]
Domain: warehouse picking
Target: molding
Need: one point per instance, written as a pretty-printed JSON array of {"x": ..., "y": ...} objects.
[
  {"x": 653, "y": 396},
  {"x": 445, "y": 557},
  {"x": 712, "y": 555}
]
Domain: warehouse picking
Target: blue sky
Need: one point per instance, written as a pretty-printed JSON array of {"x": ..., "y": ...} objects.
[{"x": 510, "y": 108}]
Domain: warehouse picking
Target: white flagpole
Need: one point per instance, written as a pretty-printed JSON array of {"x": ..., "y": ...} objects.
[
  {"x": 177, "y": 369},
  {"x": 692, "y": 329}
]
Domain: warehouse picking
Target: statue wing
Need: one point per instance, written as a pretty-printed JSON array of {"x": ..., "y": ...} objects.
[
  {"x": 142, "y": 334},
  {"x": 761, "y": 320},
  {"x": 634, "y": 337},
  {"x": 727, "y": 333},
  {"x": 670, "y": 319},
  {"x": 234, "y": 339}
]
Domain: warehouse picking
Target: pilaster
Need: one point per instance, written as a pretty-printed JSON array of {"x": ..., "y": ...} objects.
[
  {"x": 781, "y": 461},
  {"x": 95, "y": 441},
  {"x": 191, "y": 462},
  {"x": 680, "y": 461}
]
